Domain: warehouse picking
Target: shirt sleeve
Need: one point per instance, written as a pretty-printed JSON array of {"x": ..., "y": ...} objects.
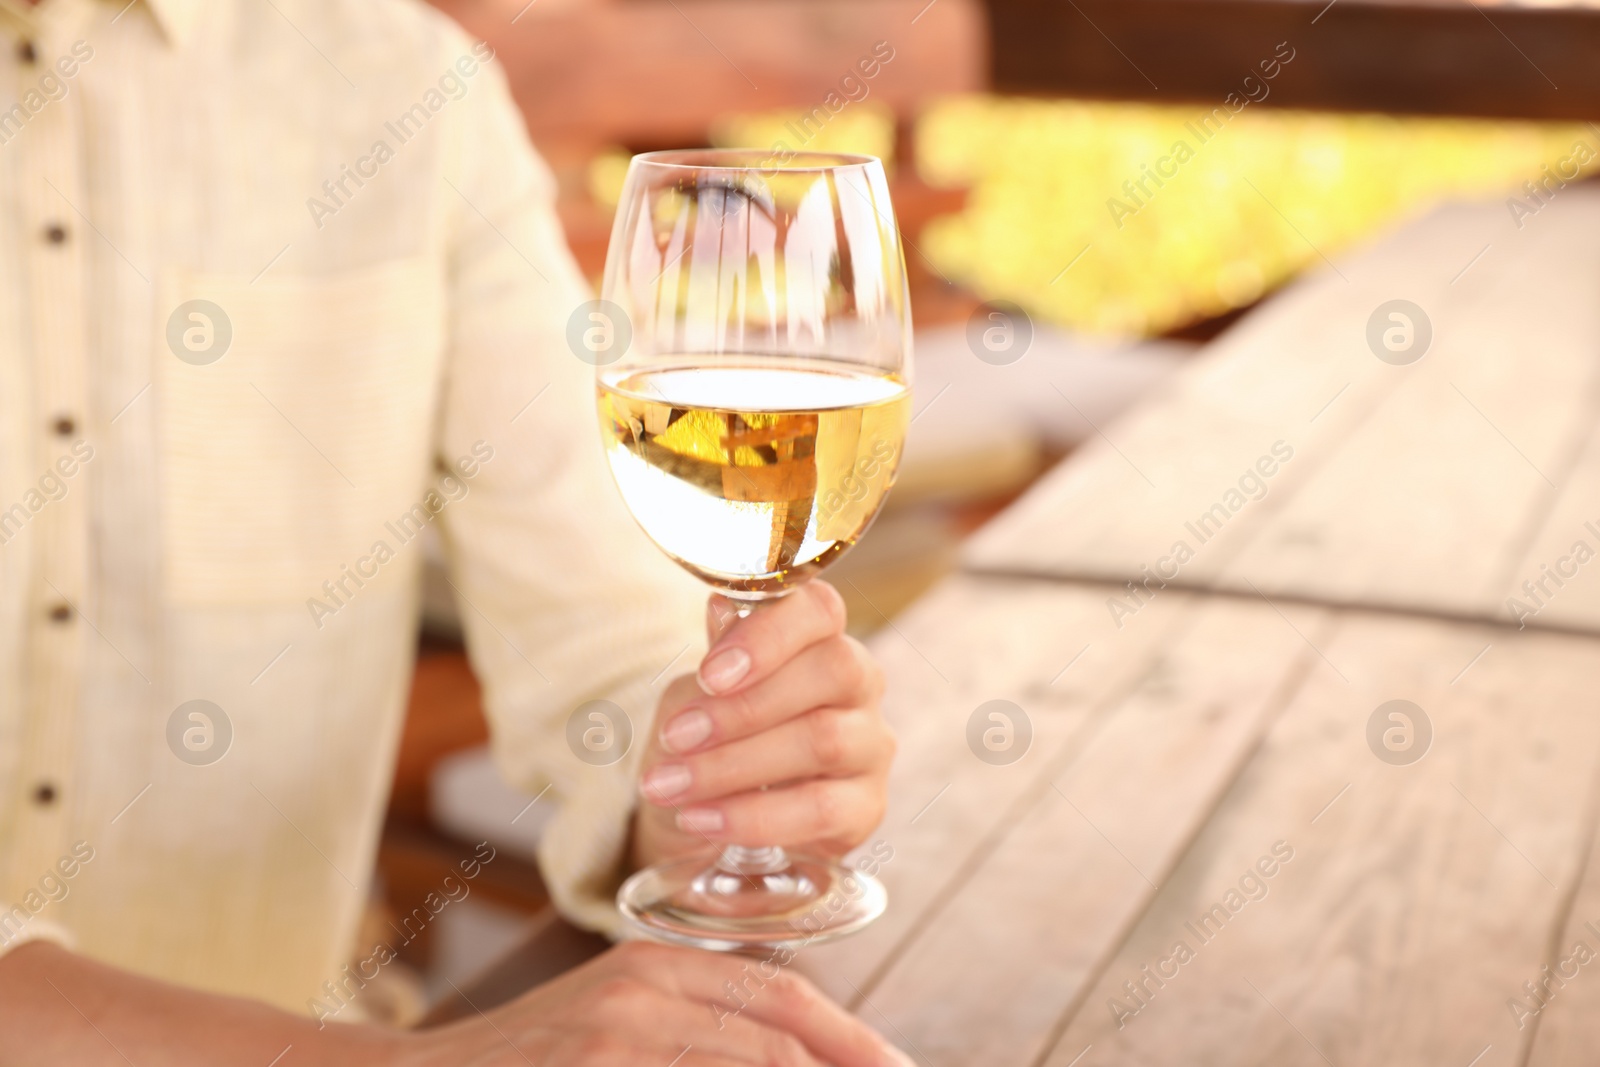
[
  {"x": 563, "y": 598},
  {"x": 36, "y": 929}
]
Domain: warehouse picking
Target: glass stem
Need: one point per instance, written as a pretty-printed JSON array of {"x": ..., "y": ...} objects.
[
  {"x": 738, "y": 859},
  {"x": 748, "y": 862}
]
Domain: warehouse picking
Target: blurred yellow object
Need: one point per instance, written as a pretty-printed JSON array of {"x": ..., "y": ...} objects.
[
  {"x": 1041, "y": 229},
  {"x": 607, "y": 171}
]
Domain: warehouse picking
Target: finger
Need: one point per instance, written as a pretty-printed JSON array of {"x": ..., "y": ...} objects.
[
  {"x": 834, "y": 672},
  {"x": 622, "y": 1017},
  {"x": 604, "y": 1050},
  {"x": 679, "y": 693},
  {"x": 693, "y": 1058},
  {"x": 721, "y": 613},
  {"x": 823, "y": 743},
  {"x": 771, "y": 995},
  {"x": 838, "y": 812},
  {"x": 755, "y": 646},
  {"x": 669, "y": 1023}
]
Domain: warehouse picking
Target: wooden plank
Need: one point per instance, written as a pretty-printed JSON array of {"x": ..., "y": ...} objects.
[
  {"x": 1418, "y": 896},
  {"x": 1051, "y": 649},
  {"x": 1295, "y": 370},
  {"x": 1085, "y": 846},
  {"x": 1558, "y": 1018},
  {"x": 656, "y": 74},
  {"x": 444, "y": 714},
  {"x": 414, "y": 858},
  {"x": 1357, "y": 55},
  {"x": 413, "y": 861},
  {"x": 1428, "y": 503},
  {"x": 1560, "y": 564},
  {"x": 554, "y": 947},
  {"x": 1411, "y": 487}
]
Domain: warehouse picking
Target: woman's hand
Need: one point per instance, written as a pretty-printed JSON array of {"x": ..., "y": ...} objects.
[
  {"x": 653, "y": 1004},
  {"x": 784, "y": 700}
]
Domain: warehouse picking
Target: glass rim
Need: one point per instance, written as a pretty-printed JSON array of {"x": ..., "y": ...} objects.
[{"x": 759, "y": 159}]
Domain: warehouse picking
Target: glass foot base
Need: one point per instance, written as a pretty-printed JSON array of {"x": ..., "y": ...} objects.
[{"x": 788, "y": 901}]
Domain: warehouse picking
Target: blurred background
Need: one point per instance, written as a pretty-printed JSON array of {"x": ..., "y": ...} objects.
[{"x": 1020, "y": 139}]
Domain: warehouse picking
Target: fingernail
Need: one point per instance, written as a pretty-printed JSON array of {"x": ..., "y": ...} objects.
[
  {"x": 685, "y": 731},
  {"x": 700, "y": 820},
  {"x": 667, "y": 780},
  {"x": 900, "y": 1059},
  {"x": 724, "y": 670}
]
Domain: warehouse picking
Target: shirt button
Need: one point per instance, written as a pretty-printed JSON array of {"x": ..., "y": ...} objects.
[
  {"x": 61, "y": 613},
  {"x": 44, "y": 794},
  {"x": 55, "y": 233},
  {"x": 26, "y": 53},
  {"x": 64, "y": 426}
]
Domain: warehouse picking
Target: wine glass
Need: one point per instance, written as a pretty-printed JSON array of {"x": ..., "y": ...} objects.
[{"x": 753, "y": 410}]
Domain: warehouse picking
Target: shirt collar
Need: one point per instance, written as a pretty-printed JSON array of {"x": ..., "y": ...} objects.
[{"x": 175, "y": 18}]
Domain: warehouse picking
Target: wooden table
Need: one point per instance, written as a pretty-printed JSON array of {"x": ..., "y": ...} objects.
[
  {"x": 1179, "y": 740},
  {"x": 1206, "y": 853}
]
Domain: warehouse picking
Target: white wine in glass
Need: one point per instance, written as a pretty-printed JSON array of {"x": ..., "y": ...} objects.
[
  {"x": 754, "y": 477},
  {"x": 754, "y": 424}
]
